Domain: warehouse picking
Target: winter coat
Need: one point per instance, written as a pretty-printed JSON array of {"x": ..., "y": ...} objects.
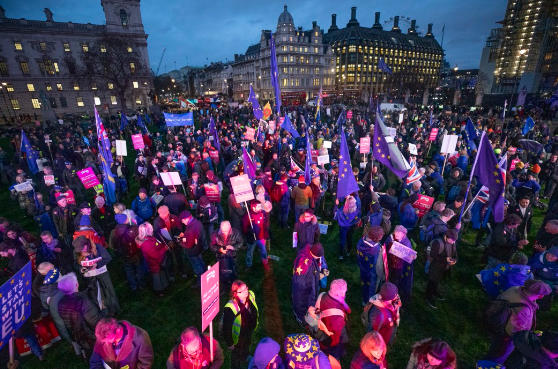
[
  {"x": 307, "y": 233},
  {"x": 136, "y": 351},
  {"x": 302, "y": 194},
  {"x": 176, "y": 359},
  {"x": 154, "y": 253},
  {"x": 123, "y": 240},
  {"x": 104, "y": 220},
  {"x": 383, "y": 319},
  {"x": 145, "y": 209},
  {"x": 193, "y": 241},
  {"x": 258, "y": 227},
  {"x": 503, "y": 242},
  {"x": 360, "y": 361},
  {"x": 439, "y": 263},
  {"x": 236, "y": 212},
  {"x": 266, "y": 351},
  {"x": 407, "y": 216},
  {"x": 176, "y": 203},
  {"x": 80, "y": 316},
  {"x": 522, "y": 318},
  {"x": 528, "y": 353},
  {"x": 218, "y": 242},
  {"x": 346, "y": 219},
  {"x": 63, "y": 219},
  {"x": 544, "y": 270},
  {"x": 335, "y": 323}
]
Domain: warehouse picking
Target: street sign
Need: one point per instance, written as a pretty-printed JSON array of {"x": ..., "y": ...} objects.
[{"x": 209, "y": 295}]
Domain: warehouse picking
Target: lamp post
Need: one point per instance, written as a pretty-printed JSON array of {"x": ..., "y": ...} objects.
[{"x": 521, "y": 53}]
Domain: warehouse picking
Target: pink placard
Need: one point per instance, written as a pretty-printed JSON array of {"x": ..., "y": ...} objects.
[
  {"x": 281, "y": 119},
  {"x": 212, "y": 192},
  {"x": 423, "y": 204},
  {"x": 209, "y": 295},
  {"x": 69, "y": 196},
  {"x": 272, "y": 125},
  {"x": 214, "y": 155},
  {"x": 249, "y": 135},
  {"x": 364, "y": 145},
  {"x": 88, "y": 177},
  {"x": 137, "y": 141},
  {"x": 433, "y": 134},
  {"x": 242, "y": 188},
  {"x": 314, "y": 155},
  {"x": 349, "y": 114},
  {"x": 513, "y": 164}
]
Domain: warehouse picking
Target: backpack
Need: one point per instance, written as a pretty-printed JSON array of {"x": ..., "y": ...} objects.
[
  {"x": 454, "y": 192},
  {"x": 426, "y": 233},
  {"x": 429, "y": 247},
  {"x": 365, "y": 316},
  {"x": 497, "y": 315},
  {"x": 129, "y": 247}
]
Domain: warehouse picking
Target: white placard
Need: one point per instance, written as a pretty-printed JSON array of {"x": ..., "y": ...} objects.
[
  {"x": 388, "y": 139},
  {"x": 23, "y": 187},
  {"x": 403, "y": 252},
  {"x": 295, "y": 240},
  {"x": 171, "y": 178},
  {"x": 323, "y": 159},
  {"x": 328, "y": 111},
  {"x": 392, "y": 132},
  {"x": 400, "y": 118},
  {"x": 413, "y": 149},
  {"x": 49, "y": 180},
  {"x": 448, "y": 144},
  {"x": 323, "y": 228},
  {"x": 121, "y": 149},
  {"x": 326, "y": 144}
]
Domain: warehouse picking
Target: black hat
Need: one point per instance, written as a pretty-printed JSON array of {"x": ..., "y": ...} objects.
[
  {"x": 317, "y": 250},
  {"x": 388, "y": 291},
  {"x": 84, "y": 205}
]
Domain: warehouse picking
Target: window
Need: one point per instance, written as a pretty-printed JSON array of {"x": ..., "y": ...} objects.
[
  {"x": 97, "y": 101},
  {"x": 59, "y": 87},
  {"x": 24, "y": 68},
  {"x": 284, "y": 82},
  {"x": 71, "y": 67},
  {"x": 66, "y": 47},
  {"x": 10, "y": 87},
  {"x": 30, "y": 87},
  {"x": 129, "y": 49},
  {"x": 4, "y": 69},
  {"x": 18, "y": 46},
  {"x": 316, "y": 81},
  {"x": 135, "y": 84},
  {"x": 63, "y": 102},
  {"x": 103, "y": 49},
  {"x": 76, "y": 86},
  {"x": 48, "y": 87},
  {"x": 36, "y": 103},
  {"x": 132, "y": 68},
  {"x": 123, "y": 17},
  {"x": 56, "y": 69},
  {"x": 52, "y": 101},
  {"x": 79, "y": 101},
  {"x": 317, "y": 70},
  {"x": 42, "y": 45},
  {"x": 93, "y": 86},
  {"x": 316, "y": 50},
  {"x": 113, "y": 100},
  {"x": 110, "y": 86},
  {"x": 85, "y": 48},
  {"x": 138, "y": 100}
]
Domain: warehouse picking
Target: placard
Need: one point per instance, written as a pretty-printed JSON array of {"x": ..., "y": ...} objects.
[
  {"x": 295, "y": 240},
  {"x": 413, "y": 149},
  {"x": 323, "y": 159},
  {"x": 49, "y": 180},
  {"x": 433, "y": 134},
  {"x": 249, "y": 135},
  {"x": 242, "y": 188},
  {"x": 513, "y": 164},
  {"x": 88, "y": 178},
  {"x": 403, "y": 252},
  {"x": 453, "y": 158},
  {"x": 209, "y": 295},
  {"x": 423, "y": 204},
  {"x": 392, "y": 132},
  {"x": 171, "y": 178},
  {"x": 121, "y": 149},
  {"x": 23, "y": 187},
  {"x": 314, "y": 155},
  {"x": 349, "y": 114},
  {"x": 326, "y": 144},
  {"x": 214, "y": 155},
  {"x": 16, "y": 303},
  {"x": 323, "y": 228},
  {"x": 365, "y": 145},
  {"x": 137, "y": 141},
  {"x": 448, "y": 144},
  {"x": 212, "y": 192},
  {"x": 400, "y": 118},
  {"x": 89, "y": 263},
  {"x": 328, "y": 111},
  {"x": 272, "y": 125}
]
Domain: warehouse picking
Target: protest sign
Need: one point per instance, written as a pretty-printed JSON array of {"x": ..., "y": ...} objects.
[
  {"x": 295, "y": 240},
  {"x": 176, "y": 120},
  {"x": 121, "y": 149},
  {"x": 24, "y": 187},
  {"x": 433, "y": 134},
  {"x": 323, "y": 228},
  {"x": 413, "y": 149},
  {"x": 209, "y": 295},
  {"x": 326, "y": 144},
  {"x": 16, "y": 303},
  {"x": 49, "y": 180},
  {"x": 323, "y": 159},
  {"x": 392, "y": 131},
  {"x": 423, "y": 204},
  {"x": 448, "y": 144},
  {"x": 212, "y": 192},
  {"x": 88, "y": 178},
  {"x": 349, "y": 114},
  {"x": 214, "y": 155},
  {"x": 403, "y": 252},
  {"x": 314, "y": 155},
  {"x": 242, "y": 188},
  {"x": 514, "y": 163},
  {"x": 249, "y": 135},
  {"x": 272, "y": 125},
  {"x": 364, "y": 145},
  {"x": 171, "y": 178},
  {"x": 137, "y": 141},
  {"x": 328, "y": 111},
  {"x": 400, "y": 118},
  {"x": 69, "y": 196}
]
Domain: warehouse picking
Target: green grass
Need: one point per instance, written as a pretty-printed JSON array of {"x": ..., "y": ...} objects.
[{"x": 457, "y": 320}]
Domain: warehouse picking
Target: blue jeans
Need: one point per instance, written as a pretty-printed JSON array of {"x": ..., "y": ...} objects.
[
  {"x": 345, "y": 238},
  {"x": 299, "y": 209},
  {"x": 284, "y": 214},
  {"x": 220, "y": 214},
  {"x": 250, "y": 251},
  {"x": 198, "y": 266},
  {"x": 135, "y": 274},
  {"x": 34, "y": 345}
]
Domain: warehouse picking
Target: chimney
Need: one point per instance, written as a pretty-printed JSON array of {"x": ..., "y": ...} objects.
[
  {"x": 412, "y": 30},
  {"x": 314, "y": 24},
  {"x": 429, "y": 33},
  {"x": 333, "y": 23},
  {"x": 377, "y": 24},
  {"x": 396, "y": 25},
  {"x": 48, "y": 14},
  {"x": 353, "y": 22},
  {"x": 2, "y": 12}
]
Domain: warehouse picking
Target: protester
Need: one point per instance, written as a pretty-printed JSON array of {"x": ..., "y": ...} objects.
[
  {"x": 347, "y": 217},
  {"x": 432, "y": 353},
  {"x": 154, "y": 253},
  {"x": 194, "y": 352},
  {"x": 370, "y": 258},
  {"x": 371, "y": 353}
]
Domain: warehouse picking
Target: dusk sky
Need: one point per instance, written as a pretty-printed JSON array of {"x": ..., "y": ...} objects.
[{"x": 199, "y": 32}]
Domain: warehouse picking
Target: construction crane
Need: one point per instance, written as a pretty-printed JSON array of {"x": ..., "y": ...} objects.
[{"x": 160, "y": 61}]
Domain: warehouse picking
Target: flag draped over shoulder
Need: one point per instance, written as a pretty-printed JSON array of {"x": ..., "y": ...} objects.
[
  {"x": 287, "y": 125},
  {"x": 213, "y": 132},
  {"x": 307, "y": 174},
  {"x": 385, "y": 150},
  {"x": 529, "y": 124},
  {"x": 487, "y": 170},
  {"x": 258, "y": 113},
  {"x": 346, "y": 182},
  {"x": 104, "y": 142},
  {"x": 30, "y": 154},
  {"x": 275, "y": 75},
  {"x": 249, "y": 166}
]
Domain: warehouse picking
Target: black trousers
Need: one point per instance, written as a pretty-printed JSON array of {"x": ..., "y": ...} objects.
[
  {"x": 432, "y": 289},
  {"x": 240, "y": 352}
]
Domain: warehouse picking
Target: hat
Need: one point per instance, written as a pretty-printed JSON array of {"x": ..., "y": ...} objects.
[
  {"x": 300, "y": 348},
  {"x": 52, "y": 276},
  {"x": 121, "y": 218},
  {"x": 400, "y": 228},
  {"x": 84, "y": 205},
  {"x": 452, "y": 234},
  {"x": 143, "y": 190},
  {"x": 388, "y": 291},
  {"x": 267, "y": 170},
  {"x": 536, "y": 169},
  {"x": 497, "y": 151},
  {"x": 317, "y": 250},
  {"x": 85, "y": 221},
  {"x": 301, "y": 179},
  {"x": 519, "y": 165},
  {"x": 300, "y": 149},
  {"x": 375, "y": 207},
  {"x": 67, "y": 163},
  {"x": 62, "y": 197},
  {"x": 553, "y": 250},
  {"x": 536, "y": 287},
  {"x": 549, "y": 340},
  {"x": 309, "y": 211},
  {"x": 413, "y": 198},
  {"x": 184, "y": 215},
  {"x": 209, "y": 173},
  {"x": 57, "y": 188}
]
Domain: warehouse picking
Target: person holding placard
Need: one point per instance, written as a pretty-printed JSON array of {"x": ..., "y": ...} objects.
[
  {"x": 348, "y": 216},
  {"x": 256, "y": 228},
  {"x": 370, "y": 262},
  {"x": 400, "y": 271}
]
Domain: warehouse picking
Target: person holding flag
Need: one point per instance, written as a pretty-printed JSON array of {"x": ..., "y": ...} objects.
[{"x": 30, "y": 154}]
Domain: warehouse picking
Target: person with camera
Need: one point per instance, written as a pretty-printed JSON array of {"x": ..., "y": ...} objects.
[
  {"x": 166, "y": 227},
  {"x": 444, "y": 255},
  {"x": 193, "y": 240},
  {"x": 383, "y": 313}
]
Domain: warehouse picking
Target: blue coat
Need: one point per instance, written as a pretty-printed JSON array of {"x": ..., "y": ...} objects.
[
  {"x": 544, "y": 270},
  {"x": 462, "y": 163},
  {"x": 144, "y": 209},
  {"x": 408, "y": 217}
]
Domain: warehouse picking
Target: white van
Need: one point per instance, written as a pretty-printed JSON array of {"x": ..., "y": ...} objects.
[{"x": 392, "y": 107}]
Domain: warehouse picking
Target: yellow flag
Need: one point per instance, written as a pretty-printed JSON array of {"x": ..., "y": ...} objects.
[{"x": 267, "y": 111}]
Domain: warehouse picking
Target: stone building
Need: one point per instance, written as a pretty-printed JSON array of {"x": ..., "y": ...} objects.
[{"x": 42, "y": 71}]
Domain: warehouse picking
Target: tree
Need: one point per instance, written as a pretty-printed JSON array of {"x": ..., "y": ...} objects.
[{"x": 114, "y": 63}]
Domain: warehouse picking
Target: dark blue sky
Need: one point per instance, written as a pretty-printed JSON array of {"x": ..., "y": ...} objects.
[{"x": 198, "y": 32}]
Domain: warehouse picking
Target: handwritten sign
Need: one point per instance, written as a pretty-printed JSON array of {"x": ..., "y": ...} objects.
[
  {"x": 349, "y": 114},
  {"x": 423, "y": 204},
  {"x": 242, "y": 188},
  {"x": 16, "y": 303},
  {"x": 137, "y": 141},
  {"x": 323, "y": 159},
  {"x": 49, "y": 180},
  {"x": 23, "y": 187},
  {"x": 212, "y": 192},
  {"x": 403, "y": 252},
  {"x": 209, "y": 295},
  {"x": 88, "y": 178},
  {"x": 433, "y": 134},
  {"x": 364, "y": 145},
  {"x": 249, "y": 135}
]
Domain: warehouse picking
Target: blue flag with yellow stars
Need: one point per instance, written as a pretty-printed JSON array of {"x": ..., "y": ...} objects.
[
  {"x": 258, "y": 113},
  {"x": 346, "y": 182},
  {"x": 487, "y": 364},
  {"x": 287, "y": 125},
  {"x": 30, "y": 154},
  {"x": 504, "y": 276},
  {"x": 529, "y": 124},
  {"x": 385, "y": 149}
]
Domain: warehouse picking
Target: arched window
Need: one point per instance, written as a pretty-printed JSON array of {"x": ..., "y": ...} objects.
[{"x": 123, "y": 17}]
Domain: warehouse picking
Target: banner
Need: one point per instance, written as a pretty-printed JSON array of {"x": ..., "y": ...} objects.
[
  {"x": 365, "y": 145},
  {"x": 16, "y": 303},
  {"x": 433, "y": 134},
  {"x": 314, "y": 155},
  {"x": 423, "y": 204},
  {"x": 326, "y": 144},
  {"x": 49, "y": 180},
  {"x": 212, "y": 192},
  {"x": 349, "y": 114},
  {"x": 69, "y": 196},
  {"x": 176, "y": 120},
  {"x": 242, "y": 188},
  {"x": 214, "y": 155},
  {"x": 137, "y": 141},
  {"x": 513, "y": 164},
  {"x": 209, "y": 295},
  {"x": 88, "y": 178},
  {"x": 403, "y": 252}
]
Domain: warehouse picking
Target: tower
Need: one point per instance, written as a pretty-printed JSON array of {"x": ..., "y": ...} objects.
[{"x": 123, "y": 16}]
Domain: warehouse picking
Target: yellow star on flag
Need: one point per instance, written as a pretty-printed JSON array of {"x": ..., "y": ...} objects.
[{"x": 299, "y": 270}]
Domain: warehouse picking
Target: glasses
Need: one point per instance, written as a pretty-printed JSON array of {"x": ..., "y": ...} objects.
[{"x": 241, "y": 291}]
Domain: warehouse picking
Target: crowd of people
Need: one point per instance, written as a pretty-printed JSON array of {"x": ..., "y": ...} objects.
[{"x": 164, "y": 228}]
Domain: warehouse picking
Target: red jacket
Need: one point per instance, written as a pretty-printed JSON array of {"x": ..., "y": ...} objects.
[
  {"x": 153, "y": 252},
  {"x": 335, "y": 322}
]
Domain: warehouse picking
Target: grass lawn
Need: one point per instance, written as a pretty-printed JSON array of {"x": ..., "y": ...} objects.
[{"x": 457, "y": 320}]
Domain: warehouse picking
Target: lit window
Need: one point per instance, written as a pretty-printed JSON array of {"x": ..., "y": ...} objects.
[
  {"x": 138, "y": 100},
  {"x": 36, "y": 103},
  {"x": 24, "y": 68},
  {"x": 15, "y": 104},
  {"x": 129, "y": 49},
  {"x": 103, "y": 49},
  {"x": 110, "y": 86},
  {"x": 97, "y": 101},
  {"x": 59, "y": 86},
  {"x": 123, "y": 17},
  {"x": 316, "y": 50},
  {"x": 113, "y": 100},
  {"x": 4, "y": 69},
  {"x": 48, "y": 87},
  {"x": 18, "y": 46},
  {"x": 93, "y": 86},
  {"x": 76, "y": 86},
  {"x": 42, "y": 45},
  {"x": 66, "y": 47},
  {"x": 10, "y": 87},
  {"x": 30, "y": 87},
  {"x": 79, "y": 101},
  {"x": 136, "y": 85},
  {"x": 133, "y": 68},
  {"x": 85, "y": 48}
]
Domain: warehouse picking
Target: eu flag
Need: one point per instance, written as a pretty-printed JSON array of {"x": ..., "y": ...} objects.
[
  {"x": 385, "y": 150},
  {"x": 287, "y": 125},
  {"x": 487, "y": 364},
  {"x": 258, "y": 113},
  {"x": 213, "y": 132},
  {"x": 532, "y": 146},
  {"x": 109, "y": 182},
  {"x": 318, "y": 105},
  {"x": 141, "y": 124},
  {"x": 346, "y": 182},
  {"x": 487, "y": 170},
  {"x": 307, "y": 174},
  {"x": 104, "y": 142},
  {"x": 529, "y": 124},
  {"x": 472, "y": 135},
  {"x": 504, "y": 276},
  {"x": 249, "y": 166},
  {"x": 123, "y": 121},
  {"x": 30, "y": 154},
  {"x": 147, "y": 119},
  {"x": 275, "y": 75},
  {"x": 384, "y": 67}
]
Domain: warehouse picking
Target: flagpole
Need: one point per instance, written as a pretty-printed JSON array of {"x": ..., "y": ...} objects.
[
  {"x": 471, "y": 176},
  {"x": 473, "y": 201}
]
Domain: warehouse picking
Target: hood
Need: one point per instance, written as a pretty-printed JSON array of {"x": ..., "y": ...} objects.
[
  {"x": 265, "y": 352},
  {"x": 302, "y": 185},
  {"x": 203, "y": 201},
  {"x": 459, "y": 170}
]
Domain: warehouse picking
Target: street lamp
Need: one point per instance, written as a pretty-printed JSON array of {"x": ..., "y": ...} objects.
[{"x": 521, "y": 53}]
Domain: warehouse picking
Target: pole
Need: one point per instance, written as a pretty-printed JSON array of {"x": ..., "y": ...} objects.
[
  {"x": 472, "y": 201},
  {"x": 11, "y": 348},
  {"x": 211, "y": 340},
  {"x": 444, "y": 166},
  {"x": 472, "y": 171}
]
